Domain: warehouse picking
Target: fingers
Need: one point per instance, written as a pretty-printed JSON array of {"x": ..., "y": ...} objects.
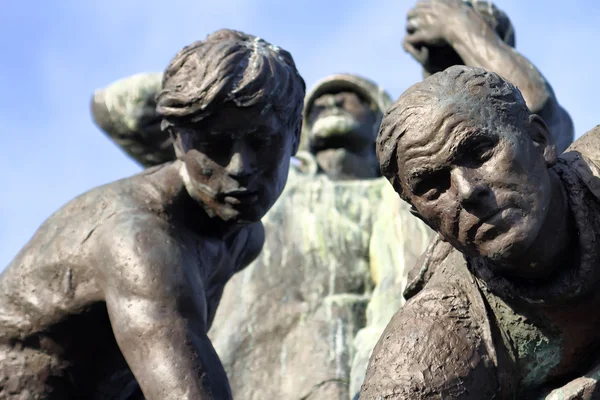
[
  {"x": 418, "y": 8},
  {"x": 420, "y": 20},
  {"x": 412, "y": 25},
  {"x": 420, "y": 54},
  {"x": 418, "y": 38}
]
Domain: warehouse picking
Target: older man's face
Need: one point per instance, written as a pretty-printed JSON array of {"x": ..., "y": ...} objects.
[
  {"x": 484, "y": 187},
  {"x": 341, "y": 120}
]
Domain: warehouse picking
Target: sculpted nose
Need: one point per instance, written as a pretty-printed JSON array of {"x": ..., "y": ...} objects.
[
  {"x": 470, "y": 190},
  {"x": 331, "y": 101},
  {"x": 241, "y": 164}
]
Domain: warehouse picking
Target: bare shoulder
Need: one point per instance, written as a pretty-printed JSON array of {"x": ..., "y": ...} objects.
[
  {"x": 138, "y": 252},
  {"x": 434, "y": 347},
  {"x": 583, "y": 158},
  {"x": 588, "y": 144}
]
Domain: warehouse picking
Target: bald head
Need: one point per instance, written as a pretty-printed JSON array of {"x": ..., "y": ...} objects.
[{"x": 425, "y": 116}]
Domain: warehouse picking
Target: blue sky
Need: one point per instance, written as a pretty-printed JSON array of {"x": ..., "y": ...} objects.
[{"x": 57, "y": 52}]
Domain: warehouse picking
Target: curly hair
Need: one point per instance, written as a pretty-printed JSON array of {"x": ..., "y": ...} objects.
[
  {"x": 472, "y": 92},
  {"x": 230, "y": 66}
]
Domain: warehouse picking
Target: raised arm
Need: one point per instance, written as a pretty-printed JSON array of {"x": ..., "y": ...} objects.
[
  {"x": 125, "y": 111},
  {"x": 157, "y": 318},
  {"x": 453, "y": 22}
]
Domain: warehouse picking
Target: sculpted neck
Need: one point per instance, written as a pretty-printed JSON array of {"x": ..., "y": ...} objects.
[{"x": 555, "y": 242}]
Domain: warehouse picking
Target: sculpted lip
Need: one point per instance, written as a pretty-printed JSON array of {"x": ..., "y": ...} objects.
[
  {"x": 240, "y": 196},
  {"x": 472, "y": 231},
  {"x": 491, "y": 215}
]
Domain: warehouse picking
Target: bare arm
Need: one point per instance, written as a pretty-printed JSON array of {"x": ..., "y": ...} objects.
[
  {"x": 125, "y": 112},
  {"x": 478, "y": 45},
  {"x": 432, "y": 348},
  {"x": 158, "y": 320}
]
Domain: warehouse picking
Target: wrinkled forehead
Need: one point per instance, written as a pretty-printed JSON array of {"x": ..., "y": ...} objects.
[{"x": 434, "y": 139}]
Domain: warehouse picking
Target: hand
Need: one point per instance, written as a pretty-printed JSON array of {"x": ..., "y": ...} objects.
[
  {"x": 435, "y": 25},
  {"x": 428, "y": 22}
]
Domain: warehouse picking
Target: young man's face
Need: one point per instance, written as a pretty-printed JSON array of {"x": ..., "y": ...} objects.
[
  {"x": 237, "y": 161},
  {"x": 484, "y": 187}
]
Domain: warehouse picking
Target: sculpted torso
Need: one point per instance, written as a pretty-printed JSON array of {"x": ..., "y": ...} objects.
[{"x": 121, "y": 254}]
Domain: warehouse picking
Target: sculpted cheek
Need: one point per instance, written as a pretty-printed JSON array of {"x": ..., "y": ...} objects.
[{"x": 199, "y": 166}]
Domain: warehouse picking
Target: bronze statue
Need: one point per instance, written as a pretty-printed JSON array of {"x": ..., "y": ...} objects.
[
  {"x": 341, "y": 118},
  {"x": 119, "y": 287},
  {"x": 442, "y": 33},
  {"x": 501, "y": 307}
]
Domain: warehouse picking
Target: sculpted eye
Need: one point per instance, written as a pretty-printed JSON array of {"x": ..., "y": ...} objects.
[
  {"x": 482, "y": 151},
  {"x": 259, "y": 141},
  {"x": 432, "y": 186},
  {"x": 215, "y": 147}
]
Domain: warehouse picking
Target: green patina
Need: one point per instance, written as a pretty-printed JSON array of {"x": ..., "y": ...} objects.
[
  {"x": 131, "y": 100},
  {"x": 536, "y": 348}
]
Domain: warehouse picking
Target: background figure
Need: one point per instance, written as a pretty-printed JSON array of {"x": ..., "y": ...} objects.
[
  {"x": 442, "y": 33},
  {"x": 342, "y": 114},
  {"x": 333, "y": 267}
]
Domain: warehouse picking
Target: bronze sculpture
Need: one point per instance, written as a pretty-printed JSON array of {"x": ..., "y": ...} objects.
[
  {"x": 120, "y": 286},
  {"x": 442, "y": 33},
  {"x": 253, "y": 353},
  {"x": 499, "y": 306},
  {"x": 341, "y": 118}
]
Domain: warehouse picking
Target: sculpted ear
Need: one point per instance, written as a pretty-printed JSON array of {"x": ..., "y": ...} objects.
[{"x": 542, "y": 139}]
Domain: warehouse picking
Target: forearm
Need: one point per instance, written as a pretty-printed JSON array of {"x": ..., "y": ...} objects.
[
  {"x": 482, "y": 48},
  {"x": 485, "y": 50}
]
